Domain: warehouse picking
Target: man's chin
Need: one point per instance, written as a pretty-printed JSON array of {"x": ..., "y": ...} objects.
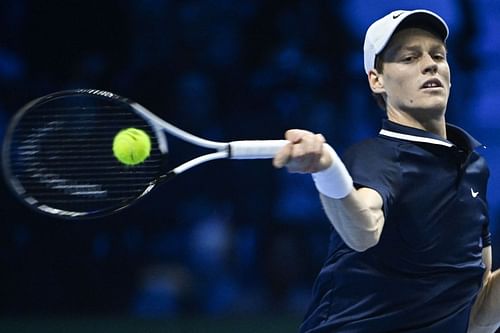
[
  {"x": 427, "y": 112},
  {"x": 435, "y": 107}
]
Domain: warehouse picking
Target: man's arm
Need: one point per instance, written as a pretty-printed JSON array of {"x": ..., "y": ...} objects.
[
  {"x": 358, "y": 215},
  {"x": 485, "y": 314},
  {"x": 358, "y": 218}
]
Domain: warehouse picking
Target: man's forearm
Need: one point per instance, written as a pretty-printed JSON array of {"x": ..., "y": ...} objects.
[
  {"x": 485, "y": 315},
  {"x": 358, "y": 218}
]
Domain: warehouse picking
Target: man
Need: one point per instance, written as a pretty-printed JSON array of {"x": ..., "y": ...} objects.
[{"x": 410, "y": 246}]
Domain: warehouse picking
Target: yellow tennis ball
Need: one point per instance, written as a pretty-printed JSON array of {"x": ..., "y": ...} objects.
[{"x": 131, "y": 146}]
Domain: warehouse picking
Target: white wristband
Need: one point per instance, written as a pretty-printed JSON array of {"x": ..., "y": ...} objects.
[{"x": 335, "y": 181}]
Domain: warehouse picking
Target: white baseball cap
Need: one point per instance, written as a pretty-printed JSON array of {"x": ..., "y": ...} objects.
[{"x": 380, "y": 32}]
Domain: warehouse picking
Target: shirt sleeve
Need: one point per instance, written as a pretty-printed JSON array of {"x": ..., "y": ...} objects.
[
  {"x": 486, "y": 235},
  {"x": 375, "y": 165}
]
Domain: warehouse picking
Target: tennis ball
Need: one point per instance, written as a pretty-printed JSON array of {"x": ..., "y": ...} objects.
[{"x": 131, "y": 146}]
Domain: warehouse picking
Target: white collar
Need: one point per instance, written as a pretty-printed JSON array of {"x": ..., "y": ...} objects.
[{"x": 415, "y": 138}]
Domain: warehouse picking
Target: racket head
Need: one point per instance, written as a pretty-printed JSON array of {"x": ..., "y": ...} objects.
[{"x": 57, "y": 154}]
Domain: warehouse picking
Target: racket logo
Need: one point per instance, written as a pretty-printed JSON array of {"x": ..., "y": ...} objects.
[{"x": 98, "y": 92}]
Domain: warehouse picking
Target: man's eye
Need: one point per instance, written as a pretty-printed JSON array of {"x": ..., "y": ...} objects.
[{"x": 409, "y": 58}]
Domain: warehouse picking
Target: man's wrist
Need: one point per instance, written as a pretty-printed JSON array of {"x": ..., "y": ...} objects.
[{"x": 335, "y": 181}]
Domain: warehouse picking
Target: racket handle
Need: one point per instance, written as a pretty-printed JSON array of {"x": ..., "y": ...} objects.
[{"x": 255, "y": 149}]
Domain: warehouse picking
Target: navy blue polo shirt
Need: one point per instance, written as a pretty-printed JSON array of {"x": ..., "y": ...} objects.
[{"x": 426, "y": 270}]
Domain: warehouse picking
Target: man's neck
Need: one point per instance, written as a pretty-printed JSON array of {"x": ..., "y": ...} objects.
[{"x": 435, "y": 125}]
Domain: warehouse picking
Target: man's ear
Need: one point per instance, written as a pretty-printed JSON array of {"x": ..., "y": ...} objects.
[{"x": 376, "y": 81}]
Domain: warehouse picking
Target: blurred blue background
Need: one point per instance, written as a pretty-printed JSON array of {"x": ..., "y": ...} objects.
[{"x": 230, "y": 239}]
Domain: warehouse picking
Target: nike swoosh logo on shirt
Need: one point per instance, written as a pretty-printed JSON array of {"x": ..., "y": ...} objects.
[{"x": 474, "y": 194}]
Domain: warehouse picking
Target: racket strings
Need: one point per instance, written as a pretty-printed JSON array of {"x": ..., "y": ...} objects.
[{"x": 62, "y": 156}]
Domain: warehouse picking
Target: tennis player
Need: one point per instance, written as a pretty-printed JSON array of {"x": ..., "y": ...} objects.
[{"x": 410, "y": 248}]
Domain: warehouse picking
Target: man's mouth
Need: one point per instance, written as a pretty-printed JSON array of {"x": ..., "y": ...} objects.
[{"x": 432, "y": 83}]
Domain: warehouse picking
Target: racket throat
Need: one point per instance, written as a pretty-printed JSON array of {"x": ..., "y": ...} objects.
[{"x": 167, "y": 177}]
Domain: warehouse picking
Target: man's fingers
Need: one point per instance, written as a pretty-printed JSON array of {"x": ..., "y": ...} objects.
[
  {"x": 296, "y": 135},
  {"x": 304, "y": 153},
  {"x": 283, "y": 156}
]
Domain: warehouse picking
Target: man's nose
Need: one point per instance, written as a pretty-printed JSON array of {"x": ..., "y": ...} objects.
[{"x": 429, "y": 65}]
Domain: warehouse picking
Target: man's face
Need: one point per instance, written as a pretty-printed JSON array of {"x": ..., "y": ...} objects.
[{"x": 416, "y": 75}]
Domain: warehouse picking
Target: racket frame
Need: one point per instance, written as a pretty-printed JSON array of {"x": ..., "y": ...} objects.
[{"x": 243, "y": 149}]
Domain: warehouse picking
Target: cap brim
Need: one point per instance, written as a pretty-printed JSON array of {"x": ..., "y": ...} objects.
[
  {"x": 427, "y": 21},
  {"x": 419, "y": 18}
]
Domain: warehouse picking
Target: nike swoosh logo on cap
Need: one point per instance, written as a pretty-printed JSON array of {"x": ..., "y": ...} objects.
[{"x": 395, "y": 16}]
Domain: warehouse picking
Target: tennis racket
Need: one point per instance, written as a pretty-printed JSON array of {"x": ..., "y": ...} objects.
[{"x": 58, "y": 159}]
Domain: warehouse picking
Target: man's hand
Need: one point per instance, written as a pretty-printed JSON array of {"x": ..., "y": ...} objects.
[{"x": 304, "y": 153}]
